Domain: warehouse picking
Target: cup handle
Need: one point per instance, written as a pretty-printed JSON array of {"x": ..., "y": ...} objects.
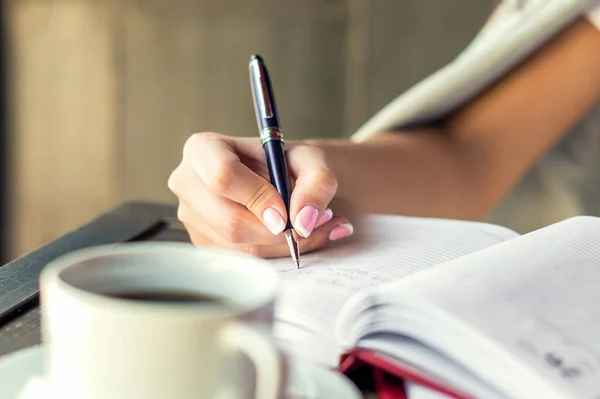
[{"x": 258, "y": 344}]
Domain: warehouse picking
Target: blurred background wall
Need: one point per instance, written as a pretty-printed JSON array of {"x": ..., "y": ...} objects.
[{"x": 103, "y": 93}]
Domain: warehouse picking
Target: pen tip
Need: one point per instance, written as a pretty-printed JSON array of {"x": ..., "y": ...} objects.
[
  {"x": 256, "y": 57},
  {"x": 293, "y": 245}
]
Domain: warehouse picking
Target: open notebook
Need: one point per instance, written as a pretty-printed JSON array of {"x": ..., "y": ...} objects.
[{"x": 468, "y": 309}]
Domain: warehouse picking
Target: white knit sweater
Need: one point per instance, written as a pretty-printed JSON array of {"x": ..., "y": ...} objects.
[
  {"x": 594, "y": 15},
  {"x": 567, "y": 181}
]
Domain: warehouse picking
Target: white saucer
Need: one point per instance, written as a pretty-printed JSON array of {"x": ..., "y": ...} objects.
[{"x": 306, "y": 380}]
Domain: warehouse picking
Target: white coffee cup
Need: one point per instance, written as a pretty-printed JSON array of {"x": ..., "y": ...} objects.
[{"x": 101, "y": 346}]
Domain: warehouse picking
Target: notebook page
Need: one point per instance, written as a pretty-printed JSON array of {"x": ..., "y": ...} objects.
[
  {"x": 438, "y": 367},
  {"x": 383, "y": 249},
  {"x": 537, "y": 297},
  {"x": 415, "y": 391}
]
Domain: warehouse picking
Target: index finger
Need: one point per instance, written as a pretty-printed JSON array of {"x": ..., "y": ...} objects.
[{"x": 218, "y": 165}]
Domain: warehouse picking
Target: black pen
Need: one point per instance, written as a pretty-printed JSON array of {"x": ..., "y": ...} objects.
[{"x": 272, "y": 142}]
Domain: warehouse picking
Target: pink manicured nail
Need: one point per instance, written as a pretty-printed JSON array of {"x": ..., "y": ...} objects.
[
  {"x": 325, "y": 217},
  {"x": 306, "y": 220},
  {"x": 341, "y": 231},
  {"x": 273, "y": 221}
]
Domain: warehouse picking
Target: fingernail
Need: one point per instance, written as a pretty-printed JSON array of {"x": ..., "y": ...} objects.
[
  {"x": 325, "y": 217},
  {"x": 273, "y": 221},
  {"x": 341, "y": 231},
  {"x": 306, "y": 220}
]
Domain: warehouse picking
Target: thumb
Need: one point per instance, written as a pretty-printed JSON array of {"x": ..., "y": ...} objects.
[{"x": 315, "y": 187}]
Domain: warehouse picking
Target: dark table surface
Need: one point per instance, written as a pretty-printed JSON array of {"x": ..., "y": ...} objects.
[{"x": 19, "y": 311}]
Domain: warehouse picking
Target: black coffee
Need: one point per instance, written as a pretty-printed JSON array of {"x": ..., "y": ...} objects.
[{"x": 167, "y": 297}]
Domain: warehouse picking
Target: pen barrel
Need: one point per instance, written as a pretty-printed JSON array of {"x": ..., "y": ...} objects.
[
  {"x": 262, "y": 93},
  {"x": 278, "y": 172}
]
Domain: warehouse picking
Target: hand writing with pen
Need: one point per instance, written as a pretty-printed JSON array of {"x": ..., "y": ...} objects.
[{"x": 226, "y": 198}]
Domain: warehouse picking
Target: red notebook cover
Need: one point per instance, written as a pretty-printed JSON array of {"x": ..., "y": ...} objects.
[{"x": 388, "y": 376}]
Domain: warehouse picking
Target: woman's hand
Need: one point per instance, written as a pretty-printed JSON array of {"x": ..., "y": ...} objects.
[{"x": 226, "y": 199}]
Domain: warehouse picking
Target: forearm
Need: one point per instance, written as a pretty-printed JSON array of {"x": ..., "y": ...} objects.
[
  {"x": 465, "y": 168},
  {"x": 518, "y": 120},
  {"x": 422, "y": 173}
]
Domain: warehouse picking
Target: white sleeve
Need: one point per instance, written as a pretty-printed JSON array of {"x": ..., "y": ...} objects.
[
  {"x": 594, "y": 15},
  {"x": 512, "y": 33}
]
